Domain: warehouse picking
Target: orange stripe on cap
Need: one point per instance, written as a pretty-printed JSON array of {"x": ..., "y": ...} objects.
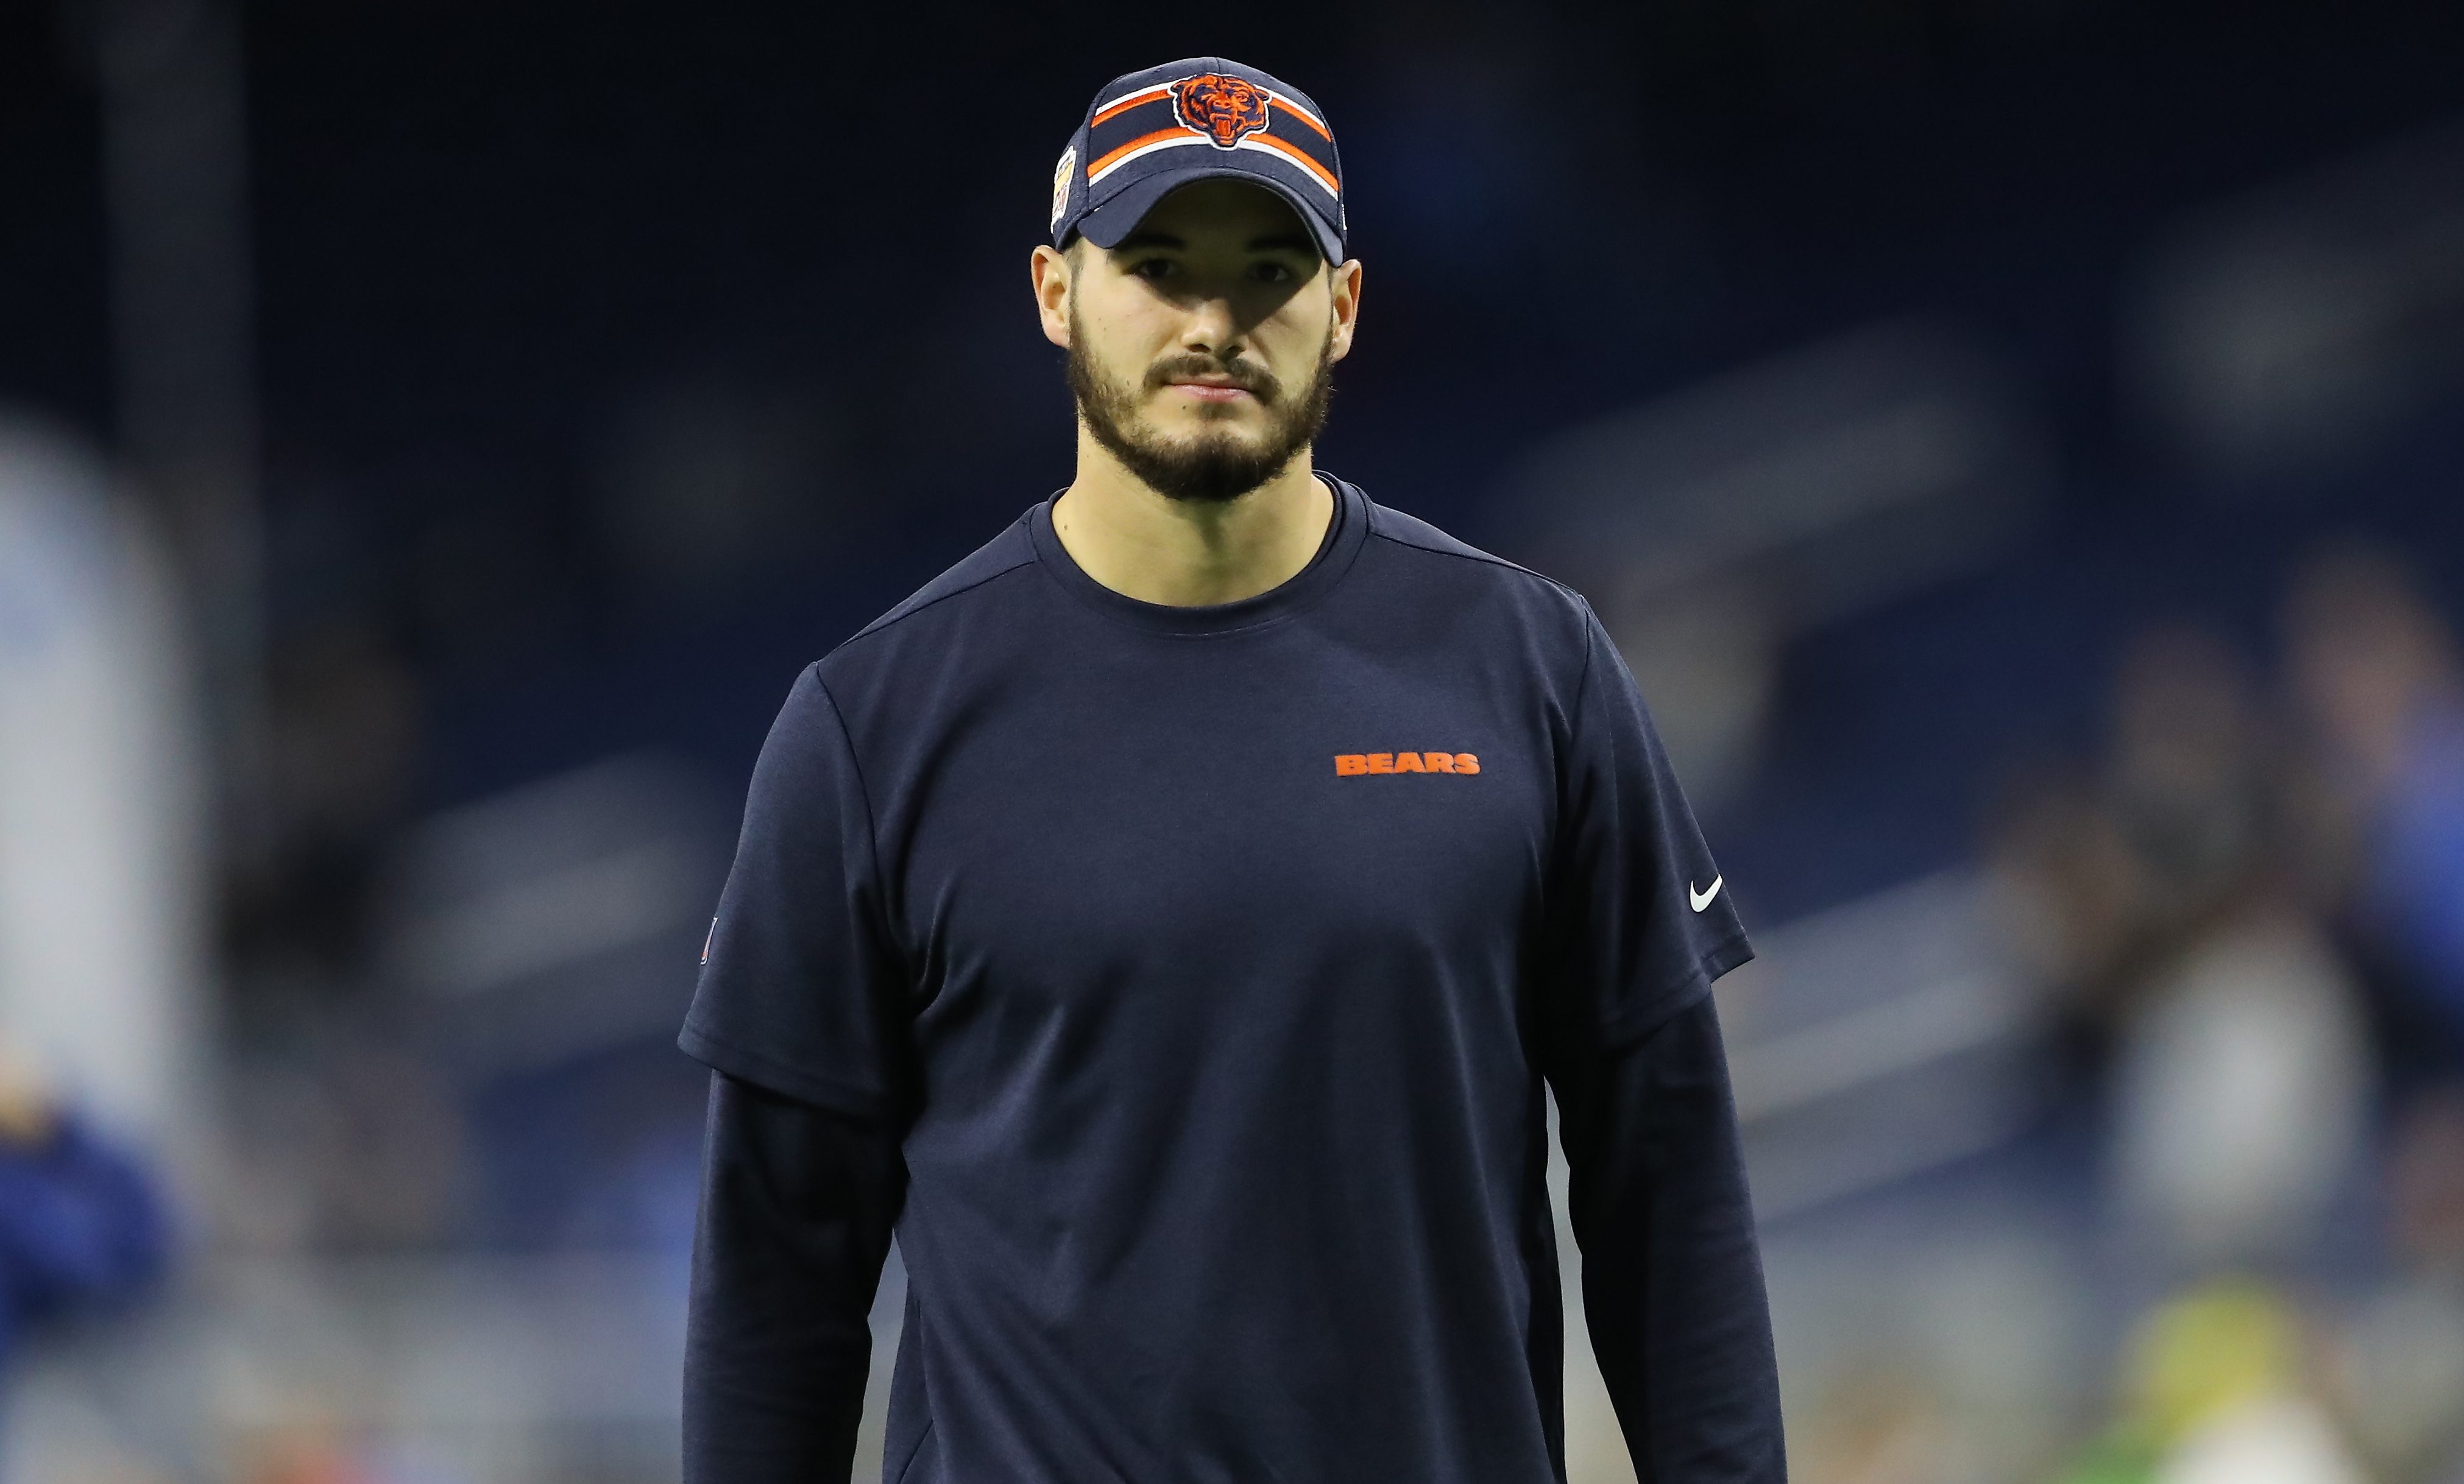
[
  {"x": 1300, "y": 113},
  {"x": 1125, "y": 103},
  {"x": 1299, "y": 157},
  {"x": 1159, "y": 136}
]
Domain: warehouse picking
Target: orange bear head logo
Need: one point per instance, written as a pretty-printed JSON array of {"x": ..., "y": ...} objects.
[{"x": 1225, "y": 109}]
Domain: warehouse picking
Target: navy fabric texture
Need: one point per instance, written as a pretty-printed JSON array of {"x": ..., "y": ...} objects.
[
  {"x": 1206, "y": 964},
  {"x": 798, "y": 1201},
  {"x": 1672, "y": 1276},
  {"x": 797, "y": 1204}
]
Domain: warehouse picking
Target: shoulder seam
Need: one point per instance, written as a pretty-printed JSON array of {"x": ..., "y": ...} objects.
[
  {"x": 871, "y": 814},
  {"x": 1591, "y": 631},
  {"x": 1485, "y": 558},
  {"x": 855, "y": 764},
  {"x": 894, "y": 618}
]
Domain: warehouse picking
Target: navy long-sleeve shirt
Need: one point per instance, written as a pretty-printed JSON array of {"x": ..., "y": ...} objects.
[
  {"x": 799, "y": 1203},
  {"x": 1183, "y": 984}
]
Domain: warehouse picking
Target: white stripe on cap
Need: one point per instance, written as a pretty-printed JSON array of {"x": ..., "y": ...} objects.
[
  {"x": 1259, "y": 143},
  {"x": 1144, "y": 150},
  {"x": 1298, "y": 107},
  {"x": 1138, "y": 95},
  {"x": 1251, "y": 143}
]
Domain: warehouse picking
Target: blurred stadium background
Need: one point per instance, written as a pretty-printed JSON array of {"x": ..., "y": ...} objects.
[{"x": 2018, "y": 443}]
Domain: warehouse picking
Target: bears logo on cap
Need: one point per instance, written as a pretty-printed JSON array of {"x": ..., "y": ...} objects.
[{"x": 1225, "y": 109}]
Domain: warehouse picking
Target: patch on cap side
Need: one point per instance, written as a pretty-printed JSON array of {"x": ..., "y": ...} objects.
[{"x": 1061, "y": 174}]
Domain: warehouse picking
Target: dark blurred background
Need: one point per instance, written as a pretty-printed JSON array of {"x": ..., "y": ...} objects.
[{"x": 2016, "y": 443}]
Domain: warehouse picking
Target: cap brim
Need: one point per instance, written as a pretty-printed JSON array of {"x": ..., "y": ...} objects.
[{"x": 1107, "y": 224}]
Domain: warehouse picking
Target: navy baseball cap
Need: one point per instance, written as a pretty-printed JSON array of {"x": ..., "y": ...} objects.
[{"x": 1150, "y": 132}]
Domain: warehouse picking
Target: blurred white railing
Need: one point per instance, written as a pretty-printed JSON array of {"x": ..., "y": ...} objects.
[
  {"x": 1880, "y": 1039},
  {"x": 439, "y": 1369}
]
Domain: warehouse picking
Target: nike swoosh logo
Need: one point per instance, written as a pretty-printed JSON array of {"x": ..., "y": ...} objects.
[{"x": 1702, "y": 899}]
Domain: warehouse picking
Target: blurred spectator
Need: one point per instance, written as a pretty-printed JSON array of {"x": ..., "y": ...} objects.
[
  {"x": 341, "y": 736},
  {"x": 2208, "y": 1007},
  {"x": 2188, "y": 779},
  {"x": 2378, "y": 680},
  {"x": 2065, "y": 883},
  {"x": 2241, "y": 1096},
  {"x": 80, "y": 1223},
  {"x": 2119, "y": 876}
]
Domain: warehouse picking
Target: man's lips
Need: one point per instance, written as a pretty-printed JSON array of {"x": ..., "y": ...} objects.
[{"x": 1210, "y": 389}]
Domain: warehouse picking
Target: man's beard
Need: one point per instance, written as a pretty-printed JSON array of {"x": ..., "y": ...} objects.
[{"x": 1214, "y": 464}]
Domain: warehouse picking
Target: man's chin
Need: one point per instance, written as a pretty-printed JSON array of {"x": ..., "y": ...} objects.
[
  {"x": 1207, "y": 471},
  {"x": 1216, "y": 444}
]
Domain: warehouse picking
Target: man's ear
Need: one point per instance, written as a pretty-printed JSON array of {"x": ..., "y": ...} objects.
[
  {"x": 1051, "y": 270},
  {"x": 1345, "y": 307}
]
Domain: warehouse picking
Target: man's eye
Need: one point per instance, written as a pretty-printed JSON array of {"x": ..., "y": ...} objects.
[
  {"x": 1271, "y": 273},
  {"x": 1154, "y": 267}
]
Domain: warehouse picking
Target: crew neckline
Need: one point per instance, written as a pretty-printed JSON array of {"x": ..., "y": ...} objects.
[{"x": 1346, "y": 529}]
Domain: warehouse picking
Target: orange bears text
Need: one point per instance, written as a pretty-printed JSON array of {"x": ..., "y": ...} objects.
[{"x": 1350, "y": 764}]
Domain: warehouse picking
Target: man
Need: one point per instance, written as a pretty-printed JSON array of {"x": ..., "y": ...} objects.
[{"x": 1167, "y": 919}]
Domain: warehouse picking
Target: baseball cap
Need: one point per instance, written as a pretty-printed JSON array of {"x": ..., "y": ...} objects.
[{"x": 1149, "y": 132}]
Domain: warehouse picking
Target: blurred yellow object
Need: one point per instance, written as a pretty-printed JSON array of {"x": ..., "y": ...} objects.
[
  {"x": 2118, "y": 1459},
  {"x": 2202, "y": 1370},
  {"x": 28, "y": 1113},
  {"x": 2199, "y": 1356}
]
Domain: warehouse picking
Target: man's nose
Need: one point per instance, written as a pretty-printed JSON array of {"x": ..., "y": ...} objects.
[{"x": 1212, "y": 328}]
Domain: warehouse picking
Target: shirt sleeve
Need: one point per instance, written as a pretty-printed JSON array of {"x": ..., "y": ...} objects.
[
  {"x": 1672, "y": 1276},
  {"x": 1639, "y": 919},
  {"x": 802, "y": 987},
  {"x": 797, "y": 1204}
]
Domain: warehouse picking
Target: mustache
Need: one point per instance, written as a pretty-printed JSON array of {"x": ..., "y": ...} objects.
[{"x": 1252, "y": 378}]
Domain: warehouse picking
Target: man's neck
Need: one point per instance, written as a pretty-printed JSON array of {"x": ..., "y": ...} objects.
[{"x": 1146, "y": 545}]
